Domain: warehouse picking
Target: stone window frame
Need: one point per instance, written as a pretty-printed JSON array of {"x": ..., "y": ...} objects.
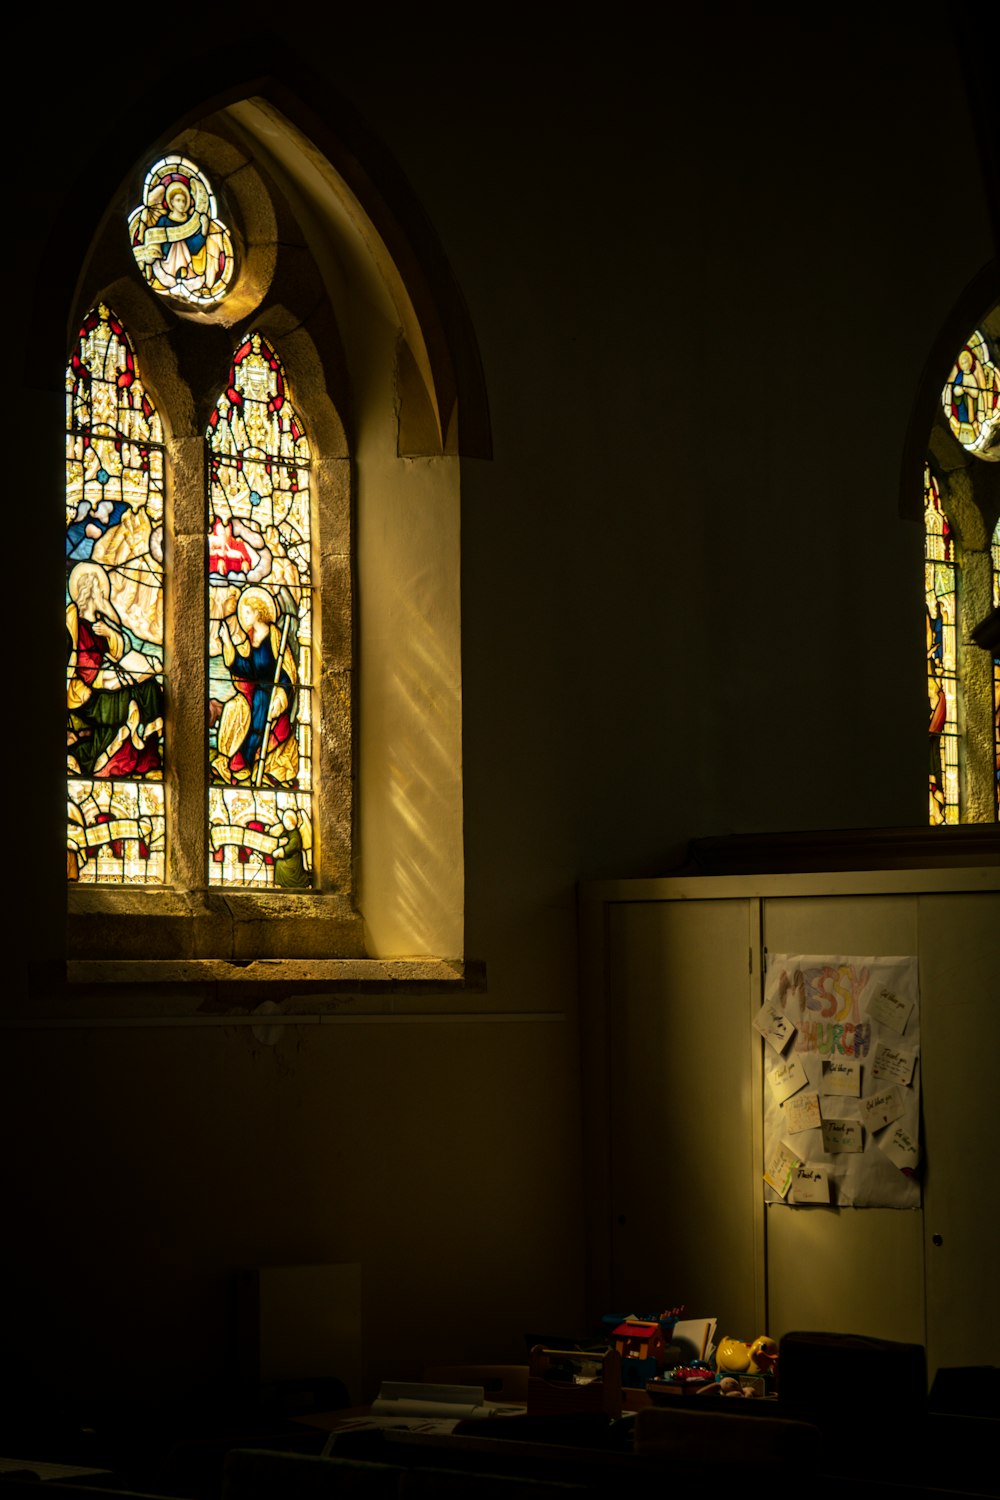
[
  {"x": 234, "y": 946},
  {"x": 187, "y": 921},
  {"x": 964, "y": 503},
  {"x": 970, "y": 498}
]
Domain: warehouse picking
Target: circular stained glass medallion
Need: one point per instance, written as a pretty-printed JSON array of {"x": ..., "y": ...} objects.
[{"x": 181, "y": 246}]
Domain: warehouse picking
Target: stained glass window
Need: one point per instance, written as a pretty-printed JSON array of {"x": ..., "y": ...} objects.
[
  {"x": 116, "y": 831},
  {"x": 996, "y": 665},
  {"x": 260, "y": 630},
  {"x": 942, "y": 682},
  {"x": 971, "y": 399},
  {"x": 181, "y": 246}
]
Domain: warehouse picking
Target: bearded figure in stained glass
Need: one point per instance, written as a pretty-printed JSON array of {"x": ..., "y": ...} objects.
[
  {"x": 290, "y": 871},
  {"x": 255, "y": 737},
  {"x": 181, "y": 248},
  {"x": 114, "y": 696}
]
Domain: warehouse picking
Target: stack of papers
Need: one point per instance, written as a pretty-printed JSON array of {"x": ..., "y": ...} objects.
[
  {"x": 421, "y": 1407},
  {"x": 64, "y": 1472},
  {"x": 695, "y": 1337}
]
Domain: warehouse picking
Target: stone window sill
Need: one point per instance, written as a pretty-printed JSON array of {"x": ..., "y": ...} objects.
[
  {"x": 303, "y": 975},
  {"x": 214, "y": 953}
]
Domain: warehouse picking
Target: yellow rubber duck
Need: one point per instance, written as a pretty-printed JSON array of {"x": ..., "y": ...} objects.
[{"x": 732, "y": 1356}]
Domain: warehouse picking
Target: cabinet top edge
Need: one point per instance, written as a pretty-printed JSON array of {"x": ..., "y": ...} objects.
[{"x": 812, "y": 883}]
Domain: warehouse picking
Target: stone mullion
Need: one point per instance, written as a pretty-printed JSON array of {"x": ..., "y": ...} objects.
[
  {"x": 187, "y": 635},
  {"x": 334, "y": 657},
  {"x": 976, "y": 672}
]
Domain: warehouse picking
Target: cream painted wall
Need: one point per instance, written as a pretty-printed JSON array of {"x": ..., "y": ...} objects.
[
  {"x": 410, "y": 858},
  {"x": 165, "y": 1159},
  {"x": 687, "y": 609}
]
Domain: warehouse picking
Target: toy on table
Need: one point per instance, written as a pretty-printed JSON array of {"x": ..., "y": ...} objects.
[
  {"x": 732, "y": 1356},
  {"x": 763, "y": 1356},
  {"x": 741, "y": 1370},
  {"x": 642, "y": 1345},
  {"x": 746, "y": 1369},
  {"x": 696, "y": 1376}
]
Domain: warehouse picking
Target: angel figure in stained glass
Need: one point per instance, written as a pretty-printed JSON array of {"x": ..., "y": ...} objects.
[
  {"x": 180, "y": 247},
  {"x": 255, "y": 739}
]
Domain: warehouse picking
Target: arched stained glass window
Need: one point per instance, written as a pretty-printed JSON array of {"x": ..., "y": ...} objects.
[
  {"x": 942, "y": 682},
  {"x": 960, "y": 583},
  {"x": 210, "y": 584},
  {"x": 260, "y": 637},
  {"x": 116, "y": 832}
]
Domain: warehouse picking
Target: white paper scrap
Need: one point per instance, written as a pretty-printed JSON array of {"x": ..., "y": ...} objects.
[
  {"x": 891, "y": 1063},
  {"x": 786, "y": 1078},
  {"x": 881, "y": 1109},
  {"x": 890, "y": 1009},
  {"x": 779, "y": 1166},
  {"x": 901, "y": 1147},
  {"x": 810, "y": 1185},
  {"x": 841, "y": 1135},
  {"x": 842, "y": 1075},
  {"x": 774, "y": 1026},
  {"x": 801, "y": 1112}
]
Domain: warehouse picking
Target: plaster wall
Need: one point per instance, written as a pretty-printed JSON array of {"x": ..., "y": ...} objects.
[{"x": 705, "y": 279}]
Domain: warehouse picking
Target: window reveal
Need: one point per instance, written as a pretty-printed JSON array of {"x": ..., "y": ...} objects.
[{"x": 995, "y": 551}]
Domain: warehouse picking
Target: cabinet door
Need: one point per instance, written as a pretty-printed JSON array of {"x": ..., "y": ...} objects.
[
  {"x": 682, "y": 1176},
  {"x": 960, "y": 994},
  {"x": 844, "y": 1270}
]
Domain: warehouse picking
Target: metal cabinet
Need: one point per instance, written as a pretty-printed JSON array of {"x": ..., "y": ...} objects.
[{"x": 672, "y": 973}]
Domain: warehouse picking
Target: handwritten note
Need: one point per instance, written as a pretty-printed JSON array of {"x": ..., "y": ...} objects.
[
  {"x": 841, "y": 1136},
  {"x": 881, "y": 1109},
  {"x": 774, "y": 1026},
  {"x": 842, "y": 1075},
  {"x": 787, "y": 1078},
  {"x": 810, "y": 1185},
  {"x": 801, "y": 1112},
  {"x": 890, "y": 1009},
  {"x": 901, "y": 1147},
  {"x": 779, "y": 1166},
  {"x": 893, "y": 1064}
]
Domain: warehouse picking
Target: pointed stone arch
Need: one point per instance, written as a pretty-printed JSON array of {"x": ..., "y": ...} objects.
[{"x": 340, "y": 271}]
